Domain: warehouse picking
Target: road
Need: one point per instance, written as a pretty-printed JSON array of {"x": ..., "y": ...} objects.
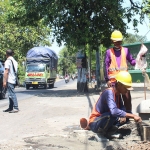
[
  {"x": 49, "y": 120},
  {"x": 23, "y": 94}
]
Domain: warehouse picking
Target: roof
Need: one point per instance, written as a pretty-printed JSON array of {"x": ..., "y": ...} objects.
[{"x": 137, "y": 43}]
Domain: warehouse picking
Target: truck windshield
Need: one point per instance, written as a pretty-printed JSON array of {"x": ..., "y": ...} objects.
[{"x": 35, "y": 68}]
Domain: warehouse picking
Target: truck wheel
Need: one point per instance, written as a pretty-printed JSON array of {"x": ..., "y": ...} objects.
[
  {"x": 27, "y": 86},
  {"x": 51, "y": 85},
  {"x": 45, "y": 86}
]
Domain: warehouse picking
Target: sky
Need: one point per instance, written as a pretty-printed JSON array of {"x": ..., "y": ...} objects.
[{"x": 144, "y": 29}]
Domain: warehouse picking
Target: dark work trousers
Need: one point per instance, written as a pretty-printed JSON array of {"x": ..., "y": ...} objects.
[
  {"x": 103, "y": 123},
  {"x": 127, "y": 102}
]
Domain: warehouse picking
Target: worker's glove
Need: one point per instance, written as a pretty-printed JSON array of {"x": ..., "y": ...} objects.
[{"x": 122, "y": 120}]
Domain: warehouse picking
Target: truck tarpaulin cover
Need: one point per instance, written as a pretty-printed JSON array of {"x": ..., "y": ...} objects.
[{"x": 42, "y": 55}]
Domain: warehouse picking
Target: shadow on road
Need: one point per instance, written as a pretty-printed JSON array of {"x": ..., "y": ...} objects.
[
  {"x": 58, "y": 93},
  {"x": 66, "y": 93}
]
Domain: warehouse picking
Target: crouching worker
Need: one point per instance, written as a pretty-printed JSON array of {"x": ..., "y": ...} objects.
[{"x": 109, "y": 111}]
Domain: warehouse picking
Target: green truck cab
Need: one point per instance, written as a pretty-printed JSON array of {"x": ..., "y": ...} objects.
[{"x": 40, "y": 68}]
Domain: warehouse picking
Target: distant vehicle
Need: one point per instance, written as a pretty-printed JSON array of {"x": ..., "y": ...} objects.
[
  {"x": 41, "y": 66},
  {"x": 72, "y": 77},
  {"x": 61, "y": 77},
  {"x": 2, "y": 90},
  {"x": 67, "y": 78}
]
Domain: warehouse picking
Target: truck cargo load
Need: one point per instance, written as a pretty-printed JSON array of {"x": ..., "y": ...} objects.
[{"x": 42, "y": 55}]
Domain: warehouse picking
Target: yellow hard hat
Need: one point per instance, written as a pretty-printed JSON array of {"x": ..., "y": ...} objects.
[
  {"x": 116, "y": 36},
  {"x": 125, "y": 78}
]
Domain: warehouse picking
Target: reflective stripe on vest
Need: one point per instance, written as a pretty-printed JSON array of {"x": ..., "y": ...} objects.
[
  {"x": 113, "y": 68},
  {"x": 95, "y": 113}
]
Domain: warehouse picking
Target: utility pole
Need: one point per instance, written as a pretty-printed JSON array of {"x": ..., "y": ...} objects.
[
  {"x": 98, "y": 67},
  {"x": 89, "y": 65}
]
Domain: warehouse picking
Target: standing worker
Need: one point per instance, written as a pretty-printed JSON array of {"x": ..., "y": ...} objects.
[
  {"x": 9, "y": 81},
  {"x": 115, "y": 61}
]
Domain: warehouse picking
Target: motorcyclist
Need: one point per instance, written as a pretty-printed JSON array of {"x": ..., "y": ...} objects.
[{"x": 67, "y": 78}]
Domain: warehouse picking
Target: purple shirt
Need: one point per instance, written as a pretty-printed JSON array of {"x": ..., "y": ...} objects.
[
  {"x": 107, "y": 60},
  {"x": 106, "y": 103}
]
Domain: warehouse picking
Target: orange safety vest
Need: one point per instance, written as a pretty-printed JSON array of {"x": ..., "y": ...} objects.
[
  {"x": 95, "y": 113},
  {"x": 113, "y": 68}
]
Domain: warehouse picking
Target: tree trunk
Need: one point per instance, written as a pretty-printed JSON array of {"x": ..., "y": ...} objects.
[
  {"x": 98, "y": 68},
  {"x": 81, "y": 81},
  {"x": 90, "y": 66},
  {"x": 81, "y": 65}
]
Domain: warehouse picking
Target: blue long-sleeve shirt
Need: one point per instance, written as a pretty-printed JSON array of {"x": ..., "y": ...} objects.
[{"x": 107, "y": 103}]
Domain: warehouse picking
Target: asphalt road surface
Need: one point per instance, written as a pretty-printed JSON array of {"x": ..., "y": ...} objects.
[
  {"x": 23, "y": 94},
  {"x": 49, "y": 120}
]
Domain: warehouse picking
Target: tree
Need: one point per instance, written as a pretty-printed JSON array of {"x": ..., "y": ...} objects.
[
  {"x": 20, "y": 38},
  {"x": 77, "y": 22},
  {"x": 66, "y": 62}
]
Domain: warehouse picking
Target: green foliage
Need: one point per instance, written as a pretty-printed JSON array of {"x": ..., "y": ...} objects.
[
  {"x": 21, "y": 72},
  {"x": 138, "y": 81},
  {"x": 77, "y": 22},
  {"x": 131, "y": 38},
  {"x": 66, "y": 62},
  {"x": 146, "y": 8},
  {"x": 20, "y": 38}
]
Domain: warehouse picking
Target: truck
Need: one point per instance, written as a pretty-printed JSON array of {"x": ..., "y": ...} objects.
[{"x": 41, "y": 68}]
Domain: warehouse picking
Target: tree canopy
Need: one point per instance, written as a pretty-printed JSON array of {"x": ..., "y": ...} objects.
[
  {"x": 20, "y": 38},
  {"x": 132, "y": 38},
  {"x": 66, "y": 62},
  {"x": 77, "y": 22}
]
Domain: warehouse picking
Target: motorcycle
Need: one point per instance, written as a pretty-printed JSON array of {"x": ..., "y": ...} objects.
[
  {"x": 72, "y": 77},
  {"x": 66, "y": 79}
]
